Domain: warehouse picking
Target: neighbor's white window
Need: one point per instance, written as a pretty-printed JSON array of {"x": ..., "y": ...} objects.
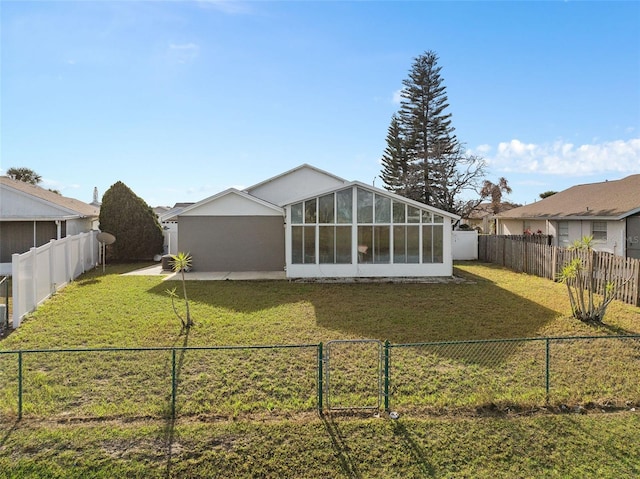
[
  {"x": 599, "y": 230},
  {"x": 563, "y": 234}
]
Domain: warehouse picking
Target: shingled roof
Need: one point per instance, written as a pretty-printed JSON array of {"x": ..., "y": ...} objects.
[
  {"x": 608, "y": 200},
  {"x": 72, "y": 206}
]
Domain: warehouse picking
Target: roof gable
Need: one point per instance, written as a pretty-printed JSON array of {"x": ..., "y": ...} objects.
[
  {"x": 21, "y": 200},
  {"x": 608, "y": 200},
  {"x": 232, "y": 202},
  {"x": 303, "y": 179}
]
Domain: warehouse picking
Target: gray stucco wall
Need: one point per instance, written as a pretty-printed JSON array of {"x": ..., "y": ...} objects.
[{"x": 233, "y": 243}]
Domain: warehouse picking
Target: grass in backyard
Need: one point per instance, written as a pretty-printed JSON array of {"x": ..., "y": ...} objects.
[
  {"x": 549, "y": 446},
  {"x": 111, "y": 310},
  {"x": 115, "y": 311},
  {"x": 250, "y": 413}
]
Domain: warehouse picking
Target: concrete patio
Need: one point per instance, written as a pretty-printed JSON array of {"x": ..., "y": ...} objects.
[{"x": 156, "y": 270}]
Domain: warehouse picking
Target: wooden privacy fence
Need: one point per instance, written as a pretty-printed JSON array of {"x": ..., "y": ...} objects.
[{"x": 534, "y": 255}]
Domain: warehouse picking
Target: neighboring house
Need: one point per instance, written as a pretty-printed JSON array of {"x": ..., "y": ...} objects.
[
  {"x": 482, "y": 217},
  {"x": 160, "y": 210},
  {"x": 313, "y": 224},
  {"x": 608, "y": 211},
  {"x": 169, "y": 222},
  {"x": 31, "y": 216}
]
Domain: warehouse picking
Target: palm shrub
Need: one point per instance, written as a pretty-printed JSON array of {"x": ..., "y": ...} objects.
[
  {"x": 579, "y": 277},
  {"x": 181, "y": 262}
]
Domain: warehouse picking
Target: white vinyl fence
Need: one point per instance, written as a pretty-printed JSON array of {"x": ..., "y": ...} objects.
[
  {"x": 465, "y": 245},
  {"x": 40, "y": 272}
]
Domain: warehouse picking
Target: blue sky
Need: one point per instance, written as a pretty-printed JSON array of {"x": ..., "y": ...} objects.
[{"x": 181, "y": 100}]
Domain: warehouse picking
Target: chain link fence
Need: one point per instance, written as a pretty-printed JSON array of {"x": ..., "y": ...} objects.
[
  {"x": 282, "y": 380},
  {"x": 522, "y": 373}
]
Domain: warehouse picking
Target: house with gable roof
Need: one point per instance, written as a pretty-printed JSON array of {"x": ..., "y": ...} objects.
[
  {"x": 609, "y": 211},
  {"x": 31, "y": 216},
  {"x": 313, "y": 224}
]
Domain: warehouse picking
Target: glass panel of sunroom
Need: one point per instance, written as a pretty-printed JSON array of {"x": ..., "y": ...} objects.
[
  {"x": 310, "y": 211},
  {"x": 296, "y": 213},
  {"x": 413, "y": 214},
  {"x": 413, "y": 244},
  {"x": 399, "y": 213},
  {"x": 309, "y": 244},
  {"x": 365, "y": 244},
  {"x": 383, "y": 209},
  {"x": 381, "y": 251},
  {"x": 438, "y": 244},
  {"x": 296, "y": 244},
  {"x": 399, "y": 244},
  {"x": 326, "y": 245},
  {"x": 427, "y": 244},
  {"x": 365, "y": 206},
  {"x": 325, "y": 209},
  {"x": 344, "y": 203},
  {"x": 343, "y": 244}
]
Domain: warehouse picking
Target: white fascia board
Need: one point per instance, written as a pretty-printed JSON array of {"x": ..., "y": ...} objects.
[
  {"x": 562, "y": 218},
  {"x": 630, "y": 213},
  {"x": 230, "y": 191},
  {"x": 169, "y": 215},
  {"x": 552, "y": 217},
  {"x": 42, "y": 218}
]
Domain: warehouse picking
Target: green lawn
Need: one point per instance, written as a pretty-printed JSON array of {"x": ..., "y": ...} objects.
[{"x": 251, "y": 413}]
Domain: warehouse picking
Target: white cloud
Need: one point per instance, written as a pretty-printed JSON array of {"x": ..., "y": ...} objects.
[
  {"x": 183, "y": 52},
  {"x": 564, "y": 158}
]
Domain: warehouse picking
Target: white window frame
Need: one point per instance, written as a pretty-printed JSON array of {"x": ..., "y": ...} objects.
[{"x": 599, "y": 234}]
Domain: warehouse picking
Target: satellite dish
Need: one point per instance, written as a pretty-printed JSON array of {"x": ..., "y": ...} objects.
[{"x": 106, "y": 238}]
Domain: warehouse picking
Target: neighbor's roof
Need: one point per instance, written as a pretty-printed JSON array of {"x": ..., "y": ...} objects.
[
  {"x": 74, "y": 207},
  {"x": 486, "y": 210},
  {"x": 606, "y": 200}
]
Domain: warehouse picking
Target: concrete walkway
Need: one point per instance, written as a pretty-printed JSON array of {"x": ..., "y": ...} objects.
[{"x": 157, "y": 270}]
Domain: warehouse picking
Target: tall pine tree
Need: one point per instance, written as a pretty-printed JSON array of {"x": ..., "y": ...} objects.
[
  {"x": 424, "y": 159},
  {"x": 395, "y": 172}
]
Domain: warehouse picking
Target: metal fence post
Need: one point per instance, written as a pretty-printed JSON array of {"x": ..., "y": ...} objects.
[
  {"x": 173, "y": 383},
  {"x": 320, "y": 378},
  {"x": 547, "y": 360},
  {"x": 19, "y": 384},
  {"x": 386, "y": 375}
]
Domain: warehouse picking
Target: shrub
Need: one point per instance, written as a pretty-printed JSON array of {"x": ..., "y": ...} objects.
[{"x": 134, "y": 224}]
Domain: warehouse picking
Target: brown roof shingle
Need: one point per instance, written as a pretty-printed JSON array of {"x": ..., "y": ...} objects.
[{"x": 608, "y": 199}]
